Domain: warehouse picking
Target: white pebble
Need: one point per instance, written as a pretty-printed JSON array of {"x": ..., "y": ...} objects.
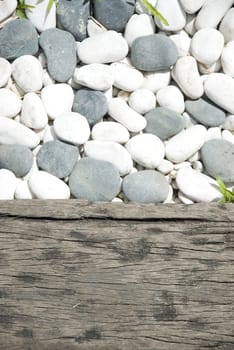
[
  {"x": 142, "y": 100},
  {"x": 188, "y": 120},
  {"x": 228, "y": 136},
  {"x": 229, "y": 123},
  {"x": 156, "y": 80},
  {"x": 95, "y": 76},
  {"x": 197, "y": 165},
  {"x": 206, "y": 69},
  {"x": 174, "y": 14},
  {"x": 138, "y": 25},
  {"x": 110, "y": 131},
  {"x": 5, "y": 71},
  {"x": 169, "y": 198},
  {"x": 182, "y": 165},
  {"x": 192, "y": 6},
  {"x": 227, "y": 59},
  {"x": 140, "y": 8},
  {"x": 171, "y": 97},
  {"x": 8, "y": 184},
  {"x": 184, "y": 199},
  {"x": 126, "y": 77},
  {"x": 7, "y": 7},
  {"x": 10, "y": 103},
  {"x": 33, "y": 113},
  {"x": 39, "y": 15},
  {"x": 182, "y": 42},
  {"x": 213, "y": 133},
  {"x": 124, "y": 95},
  {"x": 165, "y": 167},
  {"x": 190, "y": 24},
  {"x": 47, "y": 79},
  {"x": 226, "y": 27},
  {"x": 94, "y": 27},
  {"x": 23, "y": 191},
  {"x": 33, "y": 169},
  {"x": 49, "y": 134}
]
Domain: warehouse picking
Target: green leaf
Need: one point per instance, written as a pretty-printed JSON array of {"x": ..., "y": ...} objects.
[
  {"x": 20, "y": 13},
  {"x": 50, "y": 4},
  {"x": 154, "y": 12},
  {"x": 228, "y": 196}
]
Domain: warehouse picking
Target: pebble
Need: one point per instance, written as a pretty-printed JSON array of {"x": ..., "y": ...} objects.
[
  {"x": 192, "y": 6},
  {"x": 17, "y": 38},
  {"x": 226, "y": 27},
  {"x": 8, "y": 183},
  {"x": 142, "y": 100},
  {"x": 91, "y": 104},
  {"x": 227, "y": 59},
  {"x": 174, "y": 14},
  {"x": 146, "y": 186},
  {"x": 72, "y": 127},
  {"x": 146, "y": 150},
  {"x": 183, "y": 199},
  {"x": 138, "y": 25},
  {"x": 22, "y": 191},
  {"x": 218, "y": 159},
  {"x": 44, "y": 185},
  {"x": 95, "y": 76},
  {"x": 207, "y": 45},
  {"x": 182, "y": 42},
  {"x": 213, "y": 133},
  {"x": 7, "y": 7},
  {"x": 206, "y": 70},
  {"x": 10, "y": 103},
  {"x": 57, "y": 158},
  {"x": 161, "y": 53},
  {"x": 39, "y": 15},
  {"x": 171, "y": 97},
  {"x": 183, "y": 145},
  {"x": 111, "y": 152},
  {"x": 114, "y": 48},
  {"x": 185, "y": 73},
  {"x": 114, "y": 14},
  {"x": 156, "y": 80},
  {"x": 5, "y": 72},
  {"x": 57, "y": 99},
  {"x": 110, "y": 131},
  {"x": 73, "y": 17},
  {"x": 228, "y": 136},
  {"x": 16, "y": 158},
  {"x": 165, "y": 167},
  {"x": 205, "y": 112},
  {"x": 219, "y": 88},
  {"x": 59, "y": 48},
  {"x": 27, "y": 73},
  {"x": 126, "y": 77},
  {"x": 163, "y": 122},
  {"x": 12, "y": 132},
  {"x": 140, "y": 8},
  {"x": 94, "y": 180},
  {"x": 229, "y": 122},
  {"x": 33, "y": 114}
]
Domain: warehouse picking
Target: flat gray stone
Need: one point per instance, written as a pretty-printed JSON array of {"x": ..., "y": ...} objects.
[
  {"x": 153, "y": 52},
  {"x": 59, "y": 48},
  {"x": 113, "y": 14},
  {"x": 57, "y": 158},
  {"x": 163, "y": 122},
  {"x": 205, "y": 112},
  {"x": 18, "y": 38},
  {"x": 94, "y": 180},
  {"x": 16, "y": 158},
  {"x": 91, "y": 104},
  {"x": 218, "y": 158},
  {"x": 146, "y": 186},
  {"x": 73, "y": 16}
]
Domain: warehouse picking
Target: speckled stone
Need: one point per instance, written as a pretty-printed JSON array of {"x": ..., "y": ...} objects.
[
  {"x": 57, "y": 158},
  {"x": 94, "y": 180},
  {"x": 16, "y": 158}
]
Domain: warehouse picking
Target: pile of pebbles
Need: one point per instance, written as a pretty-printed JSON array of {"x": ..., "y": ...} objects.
[{"x": 101, "y": 101}]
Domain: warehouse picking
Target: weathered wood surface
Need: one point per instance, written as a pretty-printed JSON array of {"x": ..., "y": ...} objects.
[{"x": 82, "y": 276}]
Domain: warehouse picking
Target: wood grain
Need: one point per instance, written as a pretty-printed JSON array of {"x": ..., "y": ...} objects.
[{"x": 83, "y": 276}]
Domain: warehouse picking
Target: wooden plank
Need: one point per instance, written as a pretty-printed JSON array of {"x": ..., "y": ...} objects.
[{"x": 76, "y": 275}]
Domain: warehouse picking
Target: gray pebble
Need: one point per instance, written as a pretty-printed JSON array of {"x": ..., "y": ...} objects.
[{"x": 17, "y": 158}]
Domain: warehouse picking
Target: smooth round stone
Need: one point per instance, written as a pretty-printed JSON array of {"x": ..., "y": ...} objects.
[
  {"x": 165, "y": 167},
  {"x": 72, "y": 127},
  {"x": 205, "y": 112},
  {"x": 218, "y": 159},
  {"x": 111, "y": 152},
  {"x": 174, "y": 14},
  {"x": 227, "y": 27},
  {"x": 16, "y": 158},
  {"x": 122, "y": 113},
  {"x": 227, "y": 59},
  {"x": 126, "y": 77},
  {"x": 192, "y": 6},
  {"x": 18, "y": 38},
  {"x": 213, "y": 133},
  {"x": 219, "y": 88},
  {"x": 95, "y": 76},
  {"x": 138, "y": 25},
  {"x": 146, "y": 150},
  {"x": 211, "y": 13},
  {"x": 142, "y": 100},
  {"x": 33, "y": 114},
  {"x": 91, "y": 104},
  {"x": 182, "y": 42},
  {"x": 161, "y": 53},
  {"x": 113, "y": 14},
  {"x": 39, "y": 16},
  {"x": 110, "y": 131},
  {"x": 27, "y": 73},
  {"x": 7, "y": 7},
  {"x": 57, "y": 99},
  {"x": 8, "y": 183},
  {"x": 186, "y": 75},
  {"x": 228, "y": 136},
  {"x": 156, "y": 80},
  {"x": 44, "y": 185},
  {"x": 94, "y": 180},
  {"x": 207, "y": 45},
  {"x": 5, "y": 72},
  {"x": 171, "y": 97},
  {"x": 114, "y": 48},
  {"x": 12, "y": 132},
  {"x": 73, "y": 17},
  {"x": 59, "y": 48},
  {"x": 197, "y": 186},
  {"x": 10, "y": 103},
  {"x": 57, "y": 158},
  {"x": 147, "y": 186},
  {"x": 163, "y": 122},
  {"x": 22, "y": 191},
  {"x": 183, "y": 145},
  {"x": 229, "y": 122}
]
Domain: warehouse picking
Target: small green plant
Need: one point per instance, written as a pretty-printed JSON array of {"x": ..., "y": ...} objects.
[
  {"x": 21, "y": 7},
  {"x": 228, "y": 196},
  {"x": 154, "y": 11}
]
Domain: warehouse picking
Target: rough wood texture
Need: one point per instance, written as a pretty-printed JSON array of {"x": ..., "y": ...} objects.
[{"x": 82, "y": 276}]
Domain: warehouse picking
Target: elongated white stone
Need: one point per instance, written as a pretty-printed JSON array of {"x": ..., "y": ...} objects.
[
  {"x": 23, "y": 191},
  {"x": 10, "y": 103},
  {"x": 95, "y": 76},
  {"x": 192, "y": 6},
  {"x": 39, "y": 15},
  {"x": 142, "y": 100},
  {"x": 227, "y": 59},
  {"x": 8, "y": 183},
  {"x": 110, "y": 131},
  {"x": 33, "y": 114},
  {"x": 5, "y": 71},
  {"x": 126, "y": 78},
  {"x": 173, "y": 13},
  {"x": 138, "y": 25},
  {"x": 171, "y": 97}
]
